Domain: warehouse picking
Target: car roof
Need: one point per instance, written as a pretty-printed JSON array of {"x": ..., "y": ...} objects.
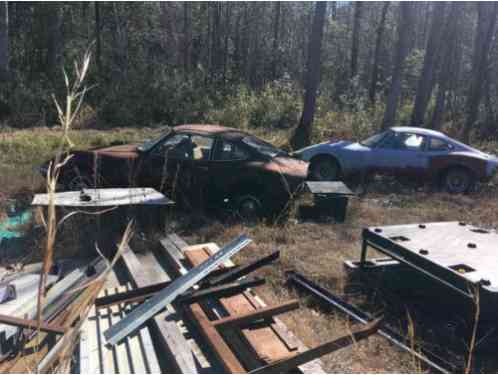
[
  {"x": 421, "y": 131},
  {"x": 212, "y": 129}
]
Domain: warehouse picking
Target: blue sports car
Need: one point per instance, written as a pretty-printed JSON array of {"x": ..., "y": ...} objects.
[{"x": 418, "y": 154}]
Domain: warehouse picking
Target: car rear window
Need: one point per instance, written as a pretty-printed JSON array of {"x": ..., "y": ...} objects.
[{"x": 436, "y": 144}]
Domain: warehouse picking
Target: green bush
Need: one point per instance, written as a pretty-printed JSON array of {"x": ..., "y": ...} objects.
[{"x": 277, "y": 106}]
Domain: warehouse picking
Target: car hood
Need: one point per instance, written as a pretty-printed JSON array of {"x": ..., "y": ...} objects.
[
  {"x": 287, "y": 166},
  {"x": 338, "y": 144},
  {"x": 129, "y": 151}
]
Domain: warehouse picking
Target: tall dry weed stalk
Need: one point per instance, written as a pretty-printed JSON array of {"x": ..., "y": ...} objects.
[
  {"x": 473, "y": 337},
  {"x": 75, "y": 93}
]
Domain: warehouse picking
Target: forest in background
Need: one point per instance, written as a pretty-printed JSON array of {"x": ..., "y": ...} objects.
[{"x": 249, "y": 65}]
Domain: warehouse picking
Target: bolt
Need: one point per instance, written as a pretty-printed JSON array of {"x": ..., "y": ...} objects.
[
  {"x": 485, "y": 282},
  {"x": 424, "y": 252},
  {"x": 471, "y": 245},
  {"x": 378, "y": 230},
  {"x": 421, "y": 226}
]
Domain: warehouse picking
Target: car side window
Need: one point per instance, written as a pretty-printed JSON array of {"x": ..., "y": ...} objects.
[
  {"x": 230, "y": 151},
  {"x": 404, "y": 141},
  {"x": 436, "y": 144},
  {"x": 186, "y": 147},
  {"x": 414, "y": 142}
]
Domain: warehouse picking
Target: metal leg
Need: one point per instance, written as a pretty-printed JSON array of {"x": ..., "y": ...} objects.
[{"x": 364, "y": 247}]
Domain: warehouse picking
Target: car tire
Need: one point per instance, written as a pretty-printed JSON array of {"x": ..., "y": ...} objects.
[
  {"x": 324, "y": 169},
  {"x": 249, "y": 207},
  {"x": 458, "y": 180}
]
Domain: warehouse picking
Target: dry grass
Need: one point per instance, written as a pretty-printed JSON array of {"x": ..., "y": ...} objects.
[
  {"x": 315, "y": 249},
  {"x": 318, "y": 250}
]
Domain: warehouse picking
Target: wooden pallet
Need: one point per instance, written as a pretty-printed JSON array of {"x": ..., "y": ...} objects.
[
  {"x": 164, "y": 345},
  {"x": 256, "y": 346}
]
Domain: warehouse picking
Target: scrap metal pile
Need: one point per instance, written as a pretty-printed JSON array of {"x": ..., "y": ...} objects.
[
  {"x": 26, "y": 345},
  {"x": 178, "y": 309}
]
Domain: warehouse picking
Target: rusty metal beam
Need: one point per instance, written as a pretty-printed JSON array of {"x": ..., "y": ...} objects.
[
  {"x": 31, "y": 324},
  {"x": 141, "y": 294},
  {"x": 240, "y": 271},
  {"x": 220, "y": 291},
  {"x": 329, "y": 299},
  {"x": 219, "y": 347},
  {"x": 266, "y": 312},
  {"x": 287, "y": 364}
]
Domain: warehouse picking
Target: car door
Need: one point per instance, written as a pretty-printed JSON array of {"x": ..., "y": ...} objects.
[
  {"x": 402, "y": 154},
  {"x": 179, "y": 164},
  {"x": 228, "y": 167}
]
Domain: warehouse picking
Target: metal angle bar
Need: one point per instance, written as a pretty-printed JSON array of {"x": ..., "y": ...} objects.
[
  {"x": 240, "y": 271},
  {"x": 266, "y": 312},
  {"x": 155, "y": 304},
  {"x": 219, "y": 291},
  {"x": 362, "y": 317},
  {"x": 140, "y": 294},
  {"x": 285, "y": 365}
]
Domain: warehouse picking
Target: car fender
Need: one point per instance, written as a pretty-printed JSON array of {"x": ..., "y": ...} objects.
[{"x": 439, "y": 164}]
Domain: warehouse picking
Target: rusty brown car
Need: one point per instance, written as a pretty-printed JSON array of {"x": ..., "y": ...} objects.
[
  {"x": 197, "y": 165},
  {"x": 409, "y": 153}
]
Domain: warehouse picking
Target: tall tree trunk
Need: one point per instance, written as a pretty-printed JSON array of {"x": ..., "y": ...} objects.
[
  {"x": 4, "y": 40},
  {"x": 276, "y": 41},
  {"x": 302, "y": 134},
  {"x": 405, "y": 28},
  {"x": 226, "y": 31},
  {"x": 334, "y": 10},
  {"x": 358, "y": 7},
  {"x": 55, "y": 43},
  {"x": 448, "y": 67},
  {"x": 487, "y": 13},
  {"x": 187, "y": 36},
  {"x": 378, "y": 45},
  {"x": 426, "y": 81},
  {"x": 98, "y": 45}
]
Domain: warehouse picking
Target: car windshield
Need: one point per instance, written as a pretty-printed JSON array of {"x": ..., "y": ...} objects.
[
  {"x": 263, "y": 147},
  {"x": 150, "y": 143},
  {"x": 373, "y": 140}
]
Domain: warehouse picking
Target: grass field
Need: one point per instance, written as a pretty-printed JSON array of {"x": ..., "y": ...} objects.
[{"x": 315, "y": 249}]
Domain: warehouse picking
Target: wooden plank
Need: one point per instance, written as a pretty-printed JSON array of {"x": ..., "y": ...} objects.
[
  {"x": 108, "y": 354},
  {"x": 176, "y": 258},
  {"x": 223, "y": 353},
  {"x": 91, "y": 330},
  {"x": 175, "y": 342},
  {"x": 263, "y": 340},
  {"x": 122, "y": 354},
  {"x": 84, "y": 353},
  {"x": 250, "y": 317},
  {"x": 287, "y": 364}
]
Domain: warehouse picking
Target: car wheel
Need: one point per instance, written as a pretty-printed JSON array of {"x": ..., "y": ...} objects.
[
  {"x": 324, "y": 169},
  {"x": 249, "y": 207},
  {"x": 458, "y": 181}
]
